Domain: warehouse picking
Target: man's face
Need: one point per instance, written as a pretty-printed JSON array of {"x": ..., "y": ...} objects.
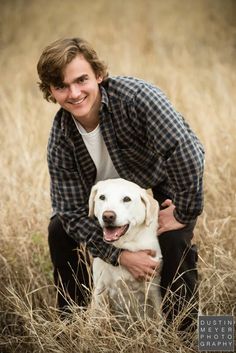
[{"x": 79, "y": 93}]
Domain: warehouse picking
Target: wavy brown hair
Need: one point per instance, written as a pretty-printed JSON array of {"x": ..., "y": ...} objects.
[{"x": 57, "y": 55}]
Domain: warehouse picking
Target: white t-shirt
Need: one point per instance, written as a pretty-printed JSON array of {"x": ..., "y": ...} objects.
[{"x": 98, "y": 151}]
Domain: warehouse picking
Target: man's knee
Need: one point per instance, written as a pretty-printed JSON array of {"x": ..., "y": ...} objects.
[
  {"x": 56, "y": 230},
  {"x": 177, "y": 240},
  {"x": 63, "y": 249},
  {"x": 179, "y": 258}
]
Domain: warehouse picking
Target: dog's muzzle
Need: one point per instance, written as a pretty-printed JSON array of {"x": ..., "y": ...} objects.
[{"x": 112, "y": 232}]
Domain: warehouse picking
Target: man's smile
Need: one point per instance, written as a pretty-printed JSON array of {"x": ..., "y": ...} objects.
[{"x": 79, "y": 101}]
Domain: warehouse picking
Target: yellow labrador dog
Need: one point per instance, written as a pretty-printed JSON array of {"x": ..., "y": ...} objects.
[{"x": 128, "y": 216}]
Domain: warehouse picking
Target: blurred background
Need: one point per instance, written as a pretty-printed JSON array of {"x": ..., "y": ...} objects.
[{"x": 188, "y": 49}]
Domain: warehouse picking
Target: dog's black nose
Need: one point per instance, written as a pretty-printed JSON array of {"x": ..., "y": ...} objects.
[{"x": 109, "y": 217}]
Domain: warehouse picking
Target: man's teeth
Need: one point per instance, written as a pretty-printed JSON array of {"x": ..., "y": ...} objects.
[{"x": 79, "y": 101}]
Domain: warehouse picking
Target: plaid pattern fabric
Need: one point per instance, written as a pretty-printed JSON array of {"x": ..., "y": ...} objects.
[{"x": 149, "y": 143}]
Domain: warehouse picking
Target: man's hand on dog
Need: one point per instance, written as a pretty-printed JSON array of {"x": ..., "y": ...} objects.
[
  {"x": 166, "y": 220},
  {"x": 140, "y": 263}
]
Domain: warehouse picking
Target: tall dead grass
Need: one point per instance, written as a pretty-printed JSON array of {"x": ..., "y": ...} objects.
[{"x": 188, "y": 49}]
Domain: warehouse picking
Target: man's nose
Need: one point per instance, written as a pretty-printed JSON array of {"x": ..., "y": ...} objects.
[{"x": 75, "y": 91}]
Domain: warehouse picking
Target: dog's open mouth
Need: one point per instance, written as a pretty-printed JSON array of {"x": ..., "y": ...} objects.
[{"x": 114, "y": 233}]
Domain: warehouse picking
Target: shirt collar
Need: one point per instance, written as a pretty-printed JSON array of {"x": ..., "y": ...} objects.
[
  {"x": 66, "y": 121},
  {"x": 104, "y": 98}
]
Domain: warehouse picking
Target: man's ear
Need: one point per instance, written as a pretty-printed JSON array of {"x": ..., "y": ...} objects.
[
  {"x": 91, "y": 200},
  {"x": 99, "y": 79},
  {"x": 151, "y": 205}
]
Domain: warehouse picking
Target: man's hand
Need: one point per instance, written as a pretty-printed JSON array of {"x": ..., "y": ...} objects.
[
  {"x": 140, "y": 263},
  {"x": 167, "y": 220}
]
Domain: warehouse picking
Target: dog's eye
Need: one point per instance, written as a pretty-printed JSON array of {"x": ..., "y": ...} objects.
[
  {"x": 126, "y": 199},
  {"x": 102, "y": 197}
]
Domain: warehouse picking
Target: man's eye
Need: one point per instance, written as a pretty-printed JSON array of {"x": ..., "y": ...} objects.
[
  {"x": 126, "y": 199},
  {"x": 59, "y": 88},
  {"x": 102, "y": 197},
  {"x": 82, "y": 79}
]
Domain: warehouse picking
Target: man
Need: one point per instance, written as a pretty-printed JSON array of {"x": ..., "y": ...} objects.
[{"x": 111, "y": 127}]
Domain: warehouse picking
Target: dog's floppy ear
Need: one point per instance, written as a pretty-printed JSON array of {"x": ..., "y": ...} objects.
[
  {"x": 91, "y": 200},
  {"x": 149, "y": 192},
  {"x": 151, "y": 205}
]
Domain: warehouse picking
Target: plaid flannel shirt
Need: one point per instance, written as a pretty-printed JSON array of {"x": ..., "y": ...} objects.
[{"x": 149, "y": 143}]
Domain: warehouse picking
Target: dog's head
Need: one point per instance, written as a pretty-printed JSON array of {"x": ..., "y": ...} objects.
[{"x": 120, "y": 206}]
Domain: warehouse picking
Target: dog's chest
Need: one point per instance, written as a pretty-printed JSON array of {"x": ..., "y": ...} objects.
[
  {"x": 110, "y": 276},
  {"x": 120, "y": 287},
  {"x": 116, "y": 281}
]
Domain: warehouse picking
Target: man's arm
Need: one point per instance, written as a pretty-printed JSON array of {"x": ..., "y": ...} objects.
[
  {"x": 172, "y": 140},
  {"x": 70, "y": 199}
]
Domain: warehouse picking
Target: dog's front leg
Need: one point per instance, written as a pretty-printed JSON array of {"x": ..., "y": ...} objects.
[
  {"x": 99, "y": 299},
  {"x": 155, "y": 299},
  {"x": 100, "y": 296}
]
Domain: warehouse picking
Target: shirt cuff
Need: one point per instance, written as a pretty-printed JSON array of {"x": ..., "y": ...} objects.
[
  {"x": 113, "y": 257},
  {"x": 184, "y": 219}
]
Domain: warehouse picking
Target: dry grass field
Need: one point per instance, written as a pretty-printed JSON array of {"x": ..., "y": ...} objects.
[{"x": 188, "y": 49}]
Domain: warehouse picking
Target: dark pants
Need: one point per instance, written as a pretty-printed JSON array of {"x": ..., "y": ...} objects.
[
  {"x": 72, "y": 270},
  {"x": 178, "y": 276}
]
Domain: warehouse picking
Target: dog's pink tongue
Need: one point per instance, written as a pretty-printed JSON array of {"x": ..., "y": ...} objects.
[{"x": 113, "y": 233}]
